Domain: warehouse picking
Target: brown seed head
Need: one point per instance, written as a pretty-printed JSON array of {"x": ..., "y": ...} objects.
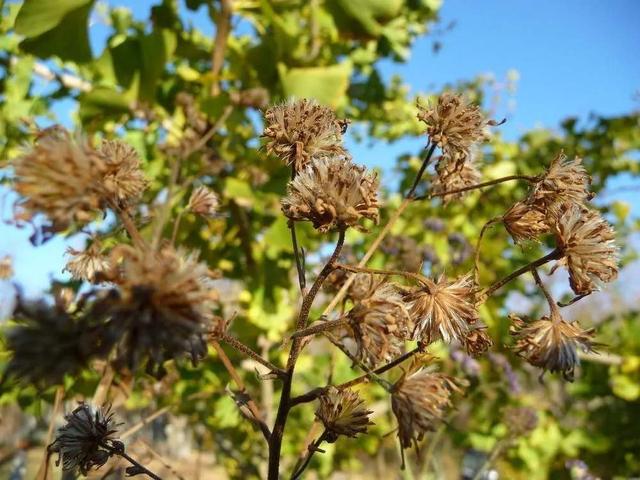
[
  {"x": 299, "y": 130},
  {"x": 90, "y": 264},
  {"x": 588, "y": 246},
  {"x": 343, "y": 412},
  {"x": 123, "y": 180},
  {"x": 203, "y": 202},
  {"x": 331, "y": 192},
  {"x": 477, "y": 341},
  {"x": 453, "y": 175},
  {"x": 525, "y": 222}
]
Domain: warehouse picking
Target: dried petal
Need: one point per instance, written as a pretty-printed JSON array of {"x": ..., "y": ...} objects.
[{"x": 89, "y": 265}]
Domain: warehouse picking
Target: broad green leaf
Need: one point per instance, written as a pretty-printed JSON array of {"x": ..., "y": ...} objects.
[
  {"x": 38, "y": 16},
  {"x": 328, "y": 85}
]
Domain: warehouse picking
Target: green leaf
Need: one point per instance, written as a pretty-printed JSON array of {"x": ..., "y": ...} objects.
[
  {"x": 328, "y": 85},
  {"x": 38, "y": 16},
  {"x": 102, "y": 101}
]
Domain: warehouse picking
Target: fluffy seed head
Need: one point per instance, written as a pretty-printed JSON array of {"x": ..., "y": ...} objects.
[
  {"x": 443, "y": 309},
  {"x": 89, "y": 264},
  {"x": 331, "y": 192},
  {"x": 454, "y": 124},
  {"x": 379, "y": 326},
  {"x": 525, "y": 222},
  {"x": 203, "y": 202},
  {"x": 85, "y": 441},
  {"x": 343, "y": 412},
  {"x": 551, "y": 343},
  {"x": 299, "y": 130},
  {"x": 161, "y": 309},
  {"x": 123, "y": 180},
  {"x": 6, "y": 267},
  {"x": 419, "y": 401},
  {"x": 588, "y": 246},
  {"x": 453, "y": 175}
]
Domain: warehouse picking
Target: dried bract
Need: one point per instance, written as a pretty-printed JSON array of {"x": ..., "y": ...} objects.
[
  {"x": 343, "y": 412},
  {"x": 87, "y": 439},
  {"x": 525, "y": 222},
  {"x": 123, "y": 179},
  {"x": 332, "y": 193},
  {"x": 477, "y": 341},
  {"x": 587, "y": 243},
  {"x": 454, "y": 124},
  {"x": 299, "y": 130},
  {"x": 419, "y": 401},
  {"x": 551, "y": 343},
  {"x": 203, "y": 202},
  {"x": 89, "y": 265},
  {"x": 443, "y": 309}
]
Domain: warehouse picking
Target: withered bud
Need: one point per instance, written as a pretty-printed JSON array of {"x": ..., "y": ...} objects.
[
  {"x": 343, "y": 412},
  {"x": 123, "y": 178},
  {"x": 203, "y": 202},
  {"x": 525, "y": 222}
]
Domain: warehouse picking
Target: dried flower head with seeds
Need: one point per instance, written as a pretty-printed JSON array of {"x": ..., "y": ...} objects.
[
  {"x": 419, "y": 401},
  {"x": 60, "y": 178},
  {"x": 299, "y": 130},
  {"x": 87, "y": 440},
  {"x": 123, "y": 179},
  {"x": 454, "y": 175},
  {"x": 343, "y": 412},
  {"x": 90, "y": 264},
  {"x": 587, "y": 243},
  {"x": 454, "y": 124},
  {"x": 379, "y": 325},
  {"x": 477, "y": 341},
  {"x": 525, "y": 222},
  {"x": 162, "y": 308},
  {"x": 551, "y": 343},
  {"x": 443, "y": 309},
  {"x": 332, "y": 193},
  {"x": 6, "y": 267},
  {"x": 203, "y": 202},
  {"x": 364, "y": 286}
]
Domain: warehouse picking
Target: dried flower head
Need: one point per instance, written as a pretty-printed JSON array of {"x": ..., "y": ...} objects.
[
  {"x": 87, "y": 440},
  {"x": 90, "y": 264},
  {"x": 520, "y": 420},
  {"x": 564, "y": 181},
  {"x": 443, "y": 309},
  {"x": 203, "y": 202},
  {"x": 58, "y": 178},
  {"x": 551, "y": 343},
  {"x": 379, "y": 326},
  {"x": 418, "y": 401},
  {"x": 123, "y": 180},
  {"x": 454, "y": 124},
  {"x": 299, "y": 130},
  {"x": 161, "y": 309},
  {"x": 453, "y": 175},
  {"x": 48, "y": 342},
  {"x": 477, "y": 341},
  {"x": 524, "y": 222},
  {"x": 587, "y": 243},
  {"x": 343, "y": 412},
  {"x": 364, "y": 286},
  {"x": 6, "y": 267},
  {"x": 332, "y": 193}
]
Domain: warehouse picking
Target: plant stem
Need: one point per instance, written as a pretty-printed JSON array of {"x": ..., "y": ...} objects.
[
  {"x": 130, "y": 227},
  {"x": 416, "y": 276},
  {"x": 313, "y": 448},
  {"x": 423, "y": 167},
  {"x": 319, "y": 328},
  {"x": 302, "y": 281},
  {"x": 257, "y": 417},
  {"x": 554, "y": 255},
  {"x": 547, "y": 295},
  {"x": 488, "y": 183},
  {"x": 242, "y": 348},
  {"x": 133, "y": 462},
  {"x": 275, "y": 440},
  {"x": 476, "y": 260},
  {"x": 223, "y": 28}
]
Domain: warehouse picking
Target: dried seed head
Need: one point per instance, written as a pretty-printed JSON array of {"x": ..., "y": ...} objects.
[
  {"x": 203, "y": 202},
  {"x": 443, "y": 309},
  {"x": 364, "y": 286},
  {"x": 379, "y": 326},
  {"x": 524, "y": 222},
  {"x": 551, "y": 343},
  {"x": 162, "y": 308},
  {"x": 588, "y": 246},
  {"x": 520, "y": 420},
  {"x": 49, "y": 342},
  {"x": 331, "y": 192},
  {"x": 453, "y": 175},
  {"x": 564, "y": 181},
  {"x": 477, "y": 341},
  {"x": 6, "y": 267},
  {"x": 299, "y": 130},
  {"x": 419, "y": 401},
  {"x": 123, "y": 179},
  {"x": 87, "y": 440},
  {"x": 454, "y": 124},
  {"x": 343, "y": 412},
  {"x": 58, "y": 178},
  {"x": 90, "y": 264}
]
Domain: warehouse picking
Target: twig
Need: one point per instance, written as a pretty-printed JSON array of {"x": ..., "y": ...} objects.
[
  {"x": 423, "y": 167},
  {"x": 145, "y": 421},
  {"x": 416, "y": 276},
  {"x": 319, "y": 328},
  {"x": 139, "y": 468},
  {"x": 43, "y": 470},
  {"x": 489, "y": 183},
  {"x": 476, "y": 260},
  {"x": 223, "y": 27},
  {"x": 302, "y": 280},
  {"x": 313, "y": 448},
  {"x": 241, "y": 386},
  {"x": 130, "y": 227},
  {"x": 242, "y": 348}
]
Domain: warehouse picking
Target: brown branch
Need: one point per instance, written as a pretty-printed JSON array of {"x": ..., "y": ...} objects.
[
  {"x": 223, "y": 28},
  {"x": 356, "y": 269},
  {"x": 242, "y": 348},
  {"x": 489, "y": 183},
  {"x": 423, "y": 167},
  {"x": 319, "y": 328}
]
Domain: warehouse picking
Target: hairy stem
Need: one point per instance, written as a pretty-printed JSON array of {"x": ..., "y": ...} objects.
[
  {"x": 130, "y": 227},
  {"x": 242, "y": 348}
]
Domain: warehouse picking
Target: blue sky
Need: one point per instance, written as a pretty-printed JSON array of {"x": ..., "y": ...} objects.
[{"x": 573, "y": 57}]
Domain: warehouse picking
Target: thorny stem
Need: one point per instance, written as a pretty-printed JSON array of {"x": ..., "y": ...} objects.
[
  {"x": 423, "y": 167},
  {"x": 416, "y": 276},
  {"x": 139, "y": 467},
  {"x": 488, "y": 183},
  {"x": 476, "y": 260},
  {"x": 242, "y": 348},
  {"x": 313, "y": 448},
  {"x": 257, "y": 417},
  {"x": 554, "y": 255},
  {"x": 275, "y": 439}
]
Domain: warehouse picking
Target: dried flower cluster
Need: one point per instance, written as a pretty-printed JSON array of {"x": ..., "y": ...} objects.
[
  {"x": 454, "y": 175},
  {"x": 332, "y": 193},
  {"x": 87, "y": 440},
  {"x": 90, "y": 264},
  {"x": 203, "y": 202},
  {"x": 343, "y": 412},
  {"x": 299, "y": 130}
]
